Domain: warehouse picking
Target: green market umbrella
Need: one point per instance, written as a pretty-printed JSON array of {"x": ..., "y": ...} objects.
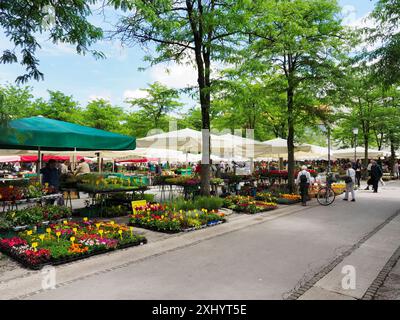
[{"x": 39, "y": 133}]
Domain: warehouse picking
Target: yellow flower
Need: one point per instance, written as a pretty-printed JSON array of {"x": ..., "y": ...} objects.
[
  {"x": 65, "y": 222},
  {"x": 34, "y": 245},
  {"x": 41, "y": 237},
  {"x": 72, "y": 239},
  {"x": 85, "y": 219},
  {"x": 75, "y": 230},
  {"x": 98, "y": 225},
  {"x": 29, "y": 232},
  {"x": 48, "y": 230}
]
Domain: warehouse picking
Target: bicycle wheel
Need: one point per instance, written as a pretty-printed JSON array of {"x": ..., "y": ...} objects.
[{"x": 325, "y": 196}]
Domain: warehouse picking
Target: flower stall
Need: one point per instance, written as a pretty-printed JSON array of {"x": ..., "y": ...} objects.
[
  {"x": 13, "y": 194},
  {"x": 68, "y": 241},
  {"x": 248, "y": 205},
  {"x": 33, "y": 216},
  {"x": 164, "y": 218},
  {"x": 288, "y": 198}
]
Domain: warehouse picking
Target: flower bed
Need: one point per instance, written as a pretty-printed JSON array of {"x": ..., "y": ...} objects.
[
  {"x": 338, "y": 188},
  {"x": 36, "y": 215},
  {"x": 163, "y": 218},
  {"x": 98, "y": 183},
  {"x": 248, "y": 204},
  {"x": 288, "y": 199},
  {"x": 19, "y": 192},
  {"x": 68, "y": 241}
]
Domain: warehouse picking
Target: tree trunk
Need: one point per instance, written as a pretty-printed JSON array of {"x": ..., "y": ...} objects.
[
  {"x": 290, "y": 139},
  {"x": 366, "y": 146},
  {"x": 392, "y": 155}
]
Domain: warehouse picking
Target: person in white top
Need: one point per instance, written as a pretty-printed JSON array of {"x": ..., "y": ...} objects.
[
  {"x": 304, "y": 180},
  {"x": 82, "y": 168},
  {"x": 396, "y": 169},
  {"x": 350, "y": 174}
]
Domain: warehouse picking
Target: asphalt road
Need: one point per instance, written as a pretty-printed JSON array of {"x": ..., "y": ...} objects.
[{"x": 265, "y": 261}]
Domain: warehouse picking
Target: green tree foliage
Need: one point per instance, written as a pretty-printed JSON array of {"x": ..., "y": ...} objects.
[
  {"x": 61, "y": 21},
  {"x": 386, "y": 36},
  {"x": 198, "y": 31},
  {"x": 59, "y": 106},
  {"x": 100, "y": 114},
  {"x": 301, "y": 41},
  {"x": 15, "y": 101},
  {"x": 159, "y": 101}
]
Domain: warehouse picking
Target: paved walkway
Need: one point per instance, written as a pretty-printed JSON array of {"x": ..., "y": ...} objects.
[{"x": 275, "y": 255}]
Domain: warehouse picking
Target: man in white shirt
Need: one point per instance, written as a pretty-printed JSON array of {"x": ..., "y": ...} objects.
[
  {"x": 304, "y": 180},
  {"x": 351, "y": 173},
  {"x": 82, "y": 168},
  {"x": 396, "y": 170}
]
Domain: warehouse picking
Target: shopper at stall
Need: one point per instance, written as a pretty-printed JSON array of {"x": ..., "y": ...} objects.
[
  {"x": 369, "y": 181},
  {"x": 350, "y": 181},
  {"x": 396, "y": 169},
  {"x": 357, "y": 168},
  {"x": 303, "y": 180},
  {"x": 82, "y": 168},
  {"x": 51, "y": 175},
  {"x": 64, "y": 167},
  {"x": 376, "y": 175}
]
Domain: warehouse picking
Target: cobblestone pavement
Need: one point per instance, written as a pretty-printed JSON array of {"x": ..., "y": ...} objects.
[{"x": 391, "y": 287}]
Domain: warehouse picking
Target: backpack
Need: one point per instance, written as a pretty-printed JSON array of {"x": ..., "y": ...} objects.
[
  {"x": 303, "y": 179},
  {"x": 348, "y": 178}
]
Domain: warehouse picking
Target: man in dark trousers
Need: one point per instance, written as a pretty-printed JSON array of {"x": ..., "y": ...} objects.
[{"x": 376, "y": 175}]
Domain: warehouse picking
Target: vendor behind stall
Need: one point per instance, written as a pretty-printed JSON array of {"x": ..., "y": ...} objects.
[{"x": 51, "y": 175}]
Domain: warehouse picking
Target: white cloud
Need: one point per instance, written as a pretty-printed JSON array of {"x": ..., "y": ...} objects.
[
  {"x": 102, "y": 96},
  {"x": 135, "y": 94},
  {"x": 349, "y": 13},
  {"x": 174, "y": 75}
]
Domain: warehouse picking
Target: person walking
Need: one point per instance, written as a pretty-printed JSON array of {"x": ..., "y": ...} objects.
[
  {"x": 369, "y": 181},
  {"x": 376, "y": 175},
  {"x": 396, "y": 170},
  {"x": 303, "y": 180},
  {"x": 350, "y": 182}
]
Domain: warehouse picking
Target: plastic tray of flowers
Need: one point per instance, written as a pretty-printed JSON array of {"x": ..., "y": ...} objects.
[
  {"x": 158, "y": 217},
  {"x": 68, "y": 241},
  {"x": 248, "y": 205}
]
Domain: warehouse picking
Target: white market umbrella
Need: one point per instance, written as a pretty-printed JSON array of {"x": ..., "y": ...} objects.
[
  {"x": 245, "y": 148},
  {"x": 188, "y": 141},
  {"x": 277, "y": 148},
  {"x": 315, "y": 153},
  {"x": 360, "y": 153}
]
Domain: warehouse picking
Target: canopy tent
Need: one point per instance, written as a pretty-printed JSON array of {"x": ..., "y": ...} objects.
[
  {"x": 360, "y": 153},
  {"x": 315, "y": 153},
  {"x": 190, "y": 141},
  {"x": 167, "y": 155},
  {"x": 39, "y": 133},
  {"x": 245, "y": 147},
  {"x": 277, "y": 148},
  {"x": 4, "y": 159}
]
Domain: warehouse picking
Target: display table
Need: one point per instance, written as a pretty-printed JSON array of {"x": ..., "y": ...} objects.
[{"x": 9, "y": 205}]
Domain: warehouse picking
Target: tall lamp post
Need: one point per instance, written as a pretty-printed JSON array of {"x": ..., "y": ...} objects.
[
  {"x": 327, "y": 129},
  {"x": 355, "y": 132}
]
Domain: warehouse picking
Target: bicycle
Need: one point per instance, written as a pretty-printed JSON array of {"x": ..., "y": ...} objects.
[{"x": 326, "y": 196}]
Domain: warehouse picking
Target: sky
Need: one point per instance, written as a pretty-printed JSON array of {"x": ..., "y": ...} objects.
[{"x": 117, "y": 77}]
